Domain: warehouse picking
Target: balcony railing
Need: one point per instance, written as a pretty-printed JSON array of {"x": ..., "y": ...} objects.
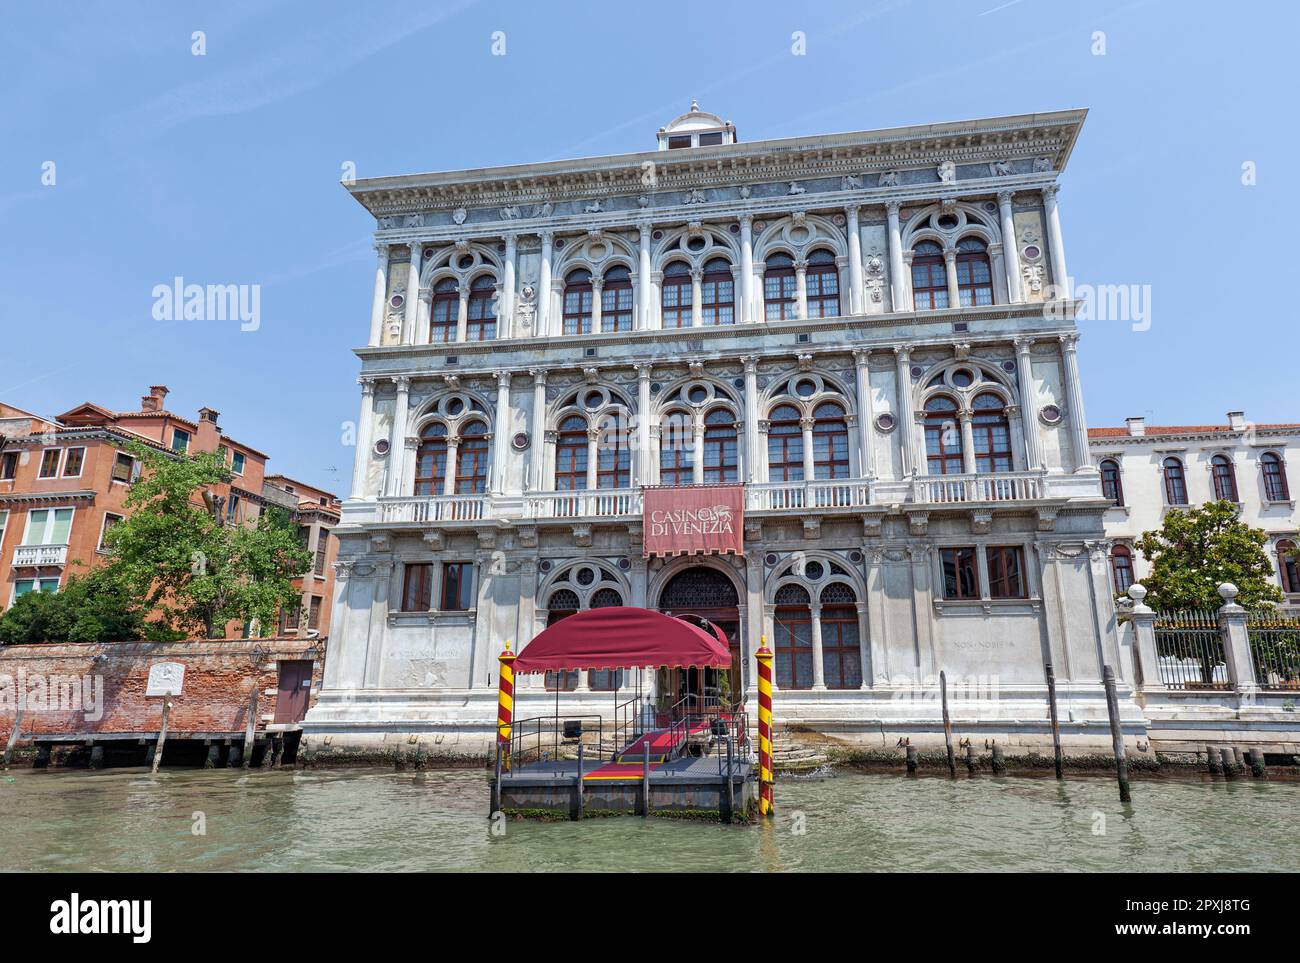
[
  {"x": 999, "y": 487},
  {"x": 601, "y": 503},
  {"x": 440, "y": 508},
  {"x": 40, "y": 555},
  {"x": 800, "y": 495}
]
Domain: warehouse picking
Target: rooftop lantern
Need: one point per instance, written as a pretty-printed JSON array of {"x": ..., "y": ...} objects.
[{"x": 696, "y": 128}]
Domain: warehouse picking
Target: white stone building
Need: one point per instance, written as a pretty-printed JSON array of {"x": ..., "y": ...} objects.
[
  {"x": 1149, "y": 469},
  {"x": 869, "y": 331}
]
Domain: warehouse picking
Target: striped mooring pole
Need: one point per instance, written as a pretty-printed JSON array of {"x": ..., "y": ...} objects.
[
  {"x": 765, "y": 776},
  {"x": 505, "y": 700}
]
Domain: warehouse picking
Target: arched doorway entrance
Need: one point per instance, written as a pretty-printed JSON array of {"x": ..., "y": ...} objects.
[{"x": 701, "y": 594}]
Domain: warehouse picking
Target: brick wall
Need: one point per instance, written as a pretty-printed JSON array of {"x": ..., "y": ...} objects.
[{"x": 220, "y": 677}]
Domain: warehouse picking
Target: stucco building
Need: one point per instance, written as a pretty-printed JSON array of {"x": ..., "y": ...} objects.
[
  {"x": 1147, "y": 470},
  {"x": 870, "y": 333}
]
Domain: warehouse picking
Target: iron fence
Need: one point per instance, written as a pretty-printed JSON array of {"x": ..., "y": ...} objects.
[
  {"x": 1189, "y": 651},
  {"x": 1274, "y": 649}
]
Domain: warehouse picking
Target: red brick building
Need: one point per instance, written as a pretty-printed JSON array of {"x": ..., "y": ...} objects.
[{"x": 64, "y": 482}]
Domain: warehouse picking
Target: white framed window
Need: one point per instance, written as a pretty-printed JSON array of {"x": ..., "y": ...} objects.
[
  {"x": 4, "y": 520},
  {"x": 48, "y": 526},
  {"x": 50, "y": 458},
  {"x": 24, "y": 585},
  {"x": 237, "y": 463},
  {"x": 180, "y": 441},
  {"x": 73, "y": 462},
  {"x": 110, "y": 520}
]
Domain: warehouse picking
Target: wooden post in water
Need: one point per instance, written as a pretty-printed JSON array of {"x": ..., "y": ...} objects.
[
  {"x": 645, "y": 776},
  {"x": 731, "y": 789},
  {"x": 13, "y": 736},
  {"x": 250, "y": 728},
  {"x": 999, "y": 764},
  {"x": 162, "y": 738},
  {"x": 1229, "y": 769},
  {"x": 1257, "y": 763},
  {"x": 1212, "y": 761},
  {"x": 1056, "y": 723},
  {"x": 496, "y": 783},
  {"x": 578, "y": 808},
  {"x": 911, "y": 760},
  {"x": 1116, "y": 735},
  {"x": 947, "y": 724},
  {"x": 972, "y": 764}
]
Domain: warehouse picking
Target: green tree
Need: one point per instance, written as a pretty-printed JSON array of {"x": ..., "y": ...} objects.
[
  {"x": 1196, "y": 550},
  {"x": 176, "y": 552},
  {"x": 94, "y": 607}
]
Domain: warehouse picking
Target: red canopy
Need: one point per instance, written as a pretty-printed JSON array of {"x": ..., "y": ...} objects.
[{"x": 621, "y": 637}]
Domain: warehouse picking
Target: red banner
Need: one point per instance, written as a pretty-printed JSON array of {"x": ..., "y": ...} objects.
[{"x": 694, "y": 519}]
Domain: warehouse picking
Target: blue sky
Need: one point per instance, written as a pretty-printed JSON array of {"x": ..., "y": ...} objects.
[{"x": 224, "y": 169}]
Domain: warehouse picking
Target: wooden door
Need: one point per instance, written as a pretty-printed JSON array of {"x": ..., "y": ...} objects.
[{"x": 294, "y": 694}]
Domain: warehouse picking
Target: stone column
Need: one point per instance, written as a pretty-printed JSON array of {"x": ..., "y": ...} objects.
[
  {"x": 697, "y": 298},
  {"x": 864, "y": 646},
  {"x": 643, "y": 277},
  {"x": 506, "y": 317},
  {"x": 906, "y": 418},
  {"x": 809, "y": 467},
  {"x": 593, "y": 453},
  {"x": 1074, "y": 398},
  {"x": 801, "y": 289},
  {"x": 819, "y": 664},
  {"x": 745, "y": 312},
  {"x": 866, "y": 412},
  {"x": 544, "y": 291},
  {"x": 643, "y": 469},
  {"x": 897, "y": 278},
  {"x": 950, "y": 265},
  {"x": 697, "y": 453},
  {"x": 1009, "y": 250},
  {"x": 597, "y": 286},
  {"x": 855, "y": 260},
  {"x": 380, "y": 296},
  {"x": 753, "y": 457},
  {"x": 536, "y": 453},
  {"x": 412, "y": 293},
  {"x": 397, "y": 434},
  {"x": 1055, "y": 244},
  {"x": 1236, "y": 643},
  {"x": 1144, "y": 639},
  {"x": 365, "y": 427},
  {"x": 462, "y": 311},
  {"x": 1029, "y": 404},
  {"x": 967, "y": 441},
  {"x": 501, "y": 434},
  {"x": 383, "y": 570},
  {"x": 449, "y": 478}
]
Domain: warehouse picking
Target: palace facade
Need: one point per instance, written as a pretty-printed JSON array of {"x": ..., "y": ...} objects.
[{"x": 871, "y": 333}]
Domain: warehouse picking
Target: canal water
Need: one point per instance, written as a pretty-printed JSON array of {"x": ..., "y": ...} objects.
[{"x": 198, "y": 820}]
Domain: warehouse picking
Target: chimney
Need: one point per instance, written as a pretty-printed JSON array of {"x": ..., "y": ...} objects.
[
  {"x": 1137, "y": 427},
  {"x": 1237, "y": 420},
  {"x": 154, "y": 400},
  {"x": 209, "y": 436}
]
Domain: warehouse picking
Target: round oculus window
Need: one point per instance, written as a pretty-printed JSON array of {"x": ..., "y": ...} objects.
[
  {"x": 1050, "y": 414},
  {"x": 885, "y": 421},
  {"x": 381, "y": 446},
  {"x": 519, "y": 441}
]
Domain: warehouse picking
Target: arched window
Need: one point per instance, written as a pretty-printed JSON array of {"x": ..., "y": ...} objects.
[
  {"x": 784, "y": 445},
  {"x": 792, "y": 626},
  {"x": 780, "y": 295},
  {"x": 929, "y": 277},
  {"x": 1275, "y": 486},
  {"x": 1175, "y": 482},
  {"x": 841, "y": 652},
  {"x": 676, "y": 448},
  {"x": 992, "y": 434},
  {"x": 942, "y": 437},
  {"x": 444, "y": 312},
  {"x": 1225, "y": 478},
  {"x": 560, "y": 606},
  {"x": 577, "y": 302},
  {"x": 718, "y": 293},
  {"x": 1111, "y": 486},
  {"x": 616, "y": 300},
  {"x": 482, "y": 309},
  {"x": 830, "y": 442},
  {"x": 605, "y": 680},
  {"x": 613, "y": 459},
  {"x": 431, "y": 460},
  {"x": 571, "y": 455},
  {"x": 1121, "y": 568},
  {"x": 1288, "y": 566},
  {"x": 974, "y": 276},
  {"x": 822, "y": 282},
  {"x": 472, "y": 459},
  {"x": 720, "y": 448},
  {"x": 676, "y": 295}
]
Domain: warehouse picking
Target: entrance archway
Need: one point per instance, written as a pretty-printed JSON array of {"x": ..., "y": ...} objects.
[{"x": 702, "y": 594}]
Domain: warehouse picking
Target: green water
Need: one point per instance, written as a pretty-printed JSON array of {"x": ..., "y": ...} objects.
[{"x": 378, "y": 820}]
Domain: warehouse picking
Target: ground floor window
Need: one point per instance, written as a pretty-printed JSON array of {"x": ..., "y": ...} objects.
[
  {"x": 960, "y": 573},
  {"x": 841, "y": 654},
  {"x": 605, "y": 680},
  {"x": 417, "y": 587},
  {"x": 25, "y": 585},
  {"x": 792, "y": 629},
  {"x": 1007, "y": 572}
]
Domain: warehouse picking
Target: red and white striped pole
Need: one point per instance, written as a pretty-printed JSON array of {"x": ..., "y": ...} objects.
[
  {"x": 505, "y": 700},
  {"x": 765, "y": 775}
]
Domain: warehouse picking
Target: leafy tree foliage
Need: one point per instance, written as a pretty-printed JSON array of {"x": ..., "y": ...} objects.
[{"x": 95, "y": 607}]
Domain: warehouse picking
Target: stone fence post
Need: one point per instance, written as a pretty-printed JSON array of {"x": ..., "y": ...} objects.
[
  {"x": 1236, "y": 642},
  {"x": 1144, "y": 639}
]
